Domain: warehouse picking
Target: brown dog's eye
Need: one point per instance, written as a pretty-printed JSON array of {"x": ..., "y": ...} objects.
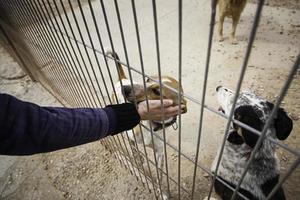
[{"x": 156, "y": 91}]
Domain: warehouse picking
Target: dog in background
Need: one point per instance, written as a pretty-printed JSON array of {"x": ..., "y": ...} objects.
[
  {"x": 263, "y": 173},
  {"x": 136, "y": 93},
  {"x": 232, "y": 9}
]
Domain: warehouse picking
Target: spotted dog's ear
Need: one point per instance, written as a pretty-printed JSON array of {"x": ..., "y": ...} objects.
[
  {"x": 283, "y": 123},
  {"x": 247, "y": 115}
]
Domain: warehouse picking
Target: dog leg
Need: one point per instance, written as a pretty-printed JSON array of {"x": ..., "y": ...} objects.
[
  {"x": 220, "y": 27},
  {"x": 160, "y": 164},
  {"x": 235, "y": 21}
]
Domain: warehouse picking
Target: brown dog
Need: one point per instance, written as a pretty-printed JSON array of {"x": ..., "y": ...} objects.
[
  {"x": 136, "y": 92},
  {"x": 232, "y": 9}
]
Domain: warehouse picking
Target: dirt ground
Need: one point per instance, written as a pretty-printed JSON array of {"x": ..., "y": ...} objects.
[{"x": 90, "y": 171}]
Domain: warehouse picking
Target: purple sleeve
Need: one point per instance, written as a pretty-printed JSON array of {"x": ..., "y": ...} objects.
[{"x": 26, "y": 128}]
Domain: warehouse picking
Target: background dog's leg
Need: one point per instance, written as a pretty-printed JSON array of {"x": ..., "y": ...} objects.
[
  {"x": 220, "y": 27},
  {"x": 235, "y": 21}
]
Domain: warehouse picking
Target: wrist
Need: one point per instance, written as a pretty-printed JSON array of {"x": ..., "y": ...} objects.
[{"x": 127, "y": 117}]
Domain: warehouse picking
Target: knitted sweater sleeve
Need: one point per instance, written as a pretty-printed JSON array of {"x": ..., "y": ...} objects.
[{"x": 26, "y": 128}]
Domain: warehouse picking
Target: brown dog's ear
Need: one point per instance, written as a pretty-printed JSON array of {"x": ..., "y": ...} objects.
[
  {"x": 282, "y": 123},
  {"x": 247, "y": 115}
]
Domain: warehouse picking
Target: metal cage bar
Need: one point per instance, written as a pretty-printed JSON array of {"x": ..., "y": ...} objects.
[{"x": 57, "y": 41}]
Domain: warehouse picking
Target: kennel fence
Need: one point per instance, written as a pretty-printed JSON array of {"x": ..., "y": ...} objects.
[{"x": 61, "y": 44}]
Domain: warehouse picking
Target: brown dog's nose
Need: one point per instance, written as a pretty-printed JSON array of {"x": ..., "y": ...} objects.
[{"x": 217, "y": 88}]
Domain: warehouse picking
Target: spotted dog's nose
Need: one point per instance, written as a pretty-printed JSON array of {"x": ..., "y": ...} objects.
[
  {"x": 126, "y": 90},
  {"x": 217, "y": 88}
]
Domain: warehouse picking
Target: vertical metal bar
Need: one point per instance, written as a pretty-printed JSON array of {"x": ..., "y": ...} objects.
[
  {"x": 93, "y": 49},
  {"x": 61, "y": 47},
  {"x": 179, "y": 90},
  {"x": 283, "y": 179},
  {"x": 81, "y": 56},
  {"x": 113, "y": 49},
  {"x": 208, "y": 55},
  {"x": 11, "y": 44},
  {"x": 79, "y": 82},
  {"x": 76, "y": 56},
  {"x": 97, "y": 60},
  {"x": 131, "y": 82},
  {"x": 269, "y": 121},
  {"x": 19, "y": 22},
  {"x": 160, "y": 88},
  {"x": 242, "y": 73},
  {"x": 88, "y": 56},
  {"x": 110, "y": 77},
  {"x": 49, "y": 35},
  {"x": 31, "y": 33},
  {"x": 115, "y": 148},
  {"x": 144, "y": 84},
  {"x": 102, "y": 49},
  {"x": 58, "y": 52}
]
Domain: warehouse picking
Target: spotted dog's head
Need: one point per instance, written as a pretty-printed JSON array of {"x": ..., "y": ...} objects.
[
  {"x": 253, "y": 111},
  {"x": 153, "y": 92}
]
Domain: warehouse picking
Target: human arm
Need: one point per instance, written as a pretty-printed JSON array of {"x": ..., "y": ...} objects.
[{"x": 26, "y": 128}]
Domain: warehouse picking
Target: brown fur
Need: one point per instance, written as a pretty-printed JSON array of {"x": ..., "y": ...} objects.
[
  {"x": 166, "y": 92},
  {"x": 232, "y": 9},
  {"x": 119, "y": 66}
]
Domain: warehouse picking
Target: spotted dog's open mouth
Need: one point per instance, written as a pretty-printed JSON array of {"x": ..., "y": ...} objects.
[{"x": 159, "y": 125}]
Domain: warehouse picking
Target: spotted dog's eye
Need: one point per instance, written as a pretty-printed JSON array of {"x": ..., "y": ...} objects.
[
  {"x": 226, "y": 90},
  {"x": 156, "y": 91}
]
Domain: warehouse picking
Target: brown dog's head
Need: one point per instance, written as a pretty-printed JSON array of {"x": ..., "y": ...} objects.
[{"x": 153, "y": 92}]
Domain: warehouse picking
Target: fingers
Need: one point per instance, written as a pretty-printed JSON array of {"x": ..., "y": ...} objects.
[
  {"x": 168, "y": 112},
  {"x": 155, "y": 104},
  {"x": 155, "y": 109},
  {"x": 167, "y": 102},
  {"x": 173, "y": 111}
]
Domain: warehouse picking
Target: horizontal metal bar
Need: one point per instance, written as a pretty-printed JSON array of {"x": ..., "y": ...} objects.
[
  {"x": 191, "y": 160},
  {"x": 160, "y": 171},
  {"x": 209, "y": 108}
]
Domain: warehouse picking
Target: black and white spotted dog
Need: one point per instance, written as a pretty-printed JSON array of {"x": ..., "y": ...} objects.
[{"x": 263, "y": 173}]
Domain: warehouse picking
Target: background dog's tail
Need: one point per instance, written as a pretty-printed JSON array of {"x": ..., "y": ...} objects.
[{"x": 109, "y": 52}]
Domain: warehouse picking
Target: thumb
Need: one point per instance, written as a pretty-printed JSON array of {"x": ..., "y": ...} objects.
[{"x": 167, "y": 102}]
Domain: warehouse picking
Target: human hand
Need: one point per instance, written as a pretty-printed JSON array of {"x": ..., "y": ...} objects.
[{"x": 155, "y": 110}]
